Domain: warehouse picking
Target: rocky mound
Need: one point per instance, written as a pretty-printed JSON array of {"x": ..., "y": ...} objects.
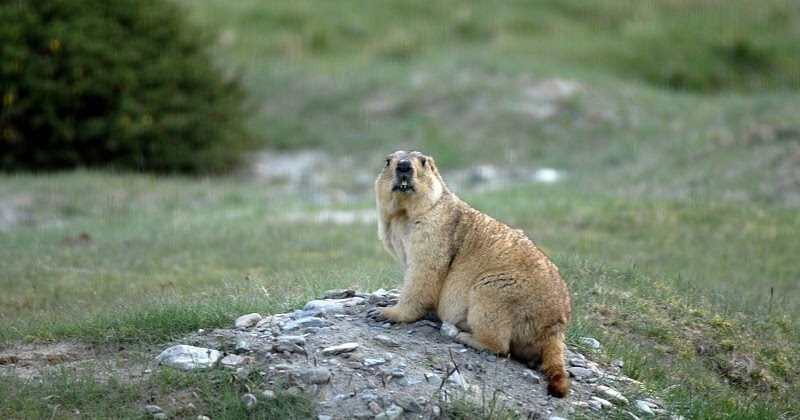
[{"x": 354, "y": 367}]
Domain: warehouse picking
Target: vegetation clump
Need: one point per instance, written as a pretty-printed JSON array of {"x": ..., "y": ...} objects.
[{"x": 124, "y": 84}]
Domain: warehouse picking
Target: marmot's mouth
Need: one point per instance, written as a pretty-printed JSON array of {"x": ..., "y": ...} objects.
[{"x": 403, "y": 184}]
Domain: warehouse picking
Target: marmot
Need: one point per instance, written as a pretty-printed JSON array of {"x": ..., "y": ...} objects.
[{"x": 489, "y": 280}]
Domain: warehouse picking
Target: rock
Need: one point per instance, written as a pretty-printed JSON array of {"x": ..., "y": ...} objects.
[
  {"x": 341, "y": 348},
  {"x": 232, "y": 360},
  {"x": 288, "y": 347},
  {"x": 644, "y": 408},
  {"x": 187, "y": 357},
  {"x": 242, "y": 345},
  {"x": 300, "y": 340},
  {"x": 309, "y": 352},
  {"x": 369, "y": 362},
  {"x": 241, "y": 373},
  {"x": 594, "y": 404},
  {"x": 531, "y": 377},
  {"x": 249, "y": 400},
  {"x": 433, "y": 378},
  {"x": 577, "y": 361},
  {"x": 408, "y": 403},
  {"x": 386, "y": 340},
  {"x": 547, "y": 175},
  {"x": 611, "y": 394},
  {"x": 482, "y": 174},
  {"x": 305, "y": 322},
  {"x": 591, "y": 343},
  {"x": 334, "y": 306},
  {"x": 580, "y": 373},
  {"x": 455, "y": 378},
  {"x": 449, "y": 330},
  {"x": 247, "y": 321},
  {"x": 604, "y": 403},
  {"x": 315, "y": 376},
  {"x": 374, "y": 407},
  {"x": 391, "y": 413},
  {"x": 581, "y": 404},
  {"x": 153, "y": 409},
  {"x": 405, "y": 382},
  {"x": 339, "y": 294},
  {"x": 272, "y": 321}
]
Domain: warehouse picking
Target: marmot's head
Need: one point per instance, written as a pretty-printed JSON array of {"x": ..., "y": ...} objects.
[{"x": 409, "y": 179}]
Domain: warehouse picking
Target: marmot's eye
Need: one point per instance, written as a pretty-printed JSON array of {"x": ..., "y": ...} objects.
[
  {"x": 388, "y": 161},
  {"x": 423, "y": 160}
]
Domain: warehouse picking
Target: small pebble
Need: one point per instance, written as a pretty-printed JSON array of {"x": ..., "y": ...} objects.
[
  {"x": 341, "y": 348},
  {"x": 531, "y": 377}
]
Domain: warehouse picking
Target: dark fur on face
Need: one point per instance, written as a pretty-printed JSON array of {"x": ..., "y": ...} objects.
[{"x": 404, "y": 165}]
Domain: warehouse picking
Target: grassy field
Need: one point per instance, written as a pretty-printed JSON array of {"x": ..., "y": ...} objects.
[{"x": 676, "y": 226}]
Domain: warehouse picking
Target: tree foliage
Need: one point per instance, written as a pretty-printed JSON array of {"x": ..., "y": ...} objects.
[{"x": 123, "y": 84}]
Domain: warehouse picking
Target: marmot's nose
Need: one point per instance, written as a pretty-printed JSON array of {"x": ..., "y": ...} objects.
[{"x": 403, "y": 166}]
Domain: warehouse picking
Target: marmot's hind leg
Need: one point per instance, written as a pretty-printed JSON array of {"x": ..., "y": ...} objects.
[{"x": 489, "y": 332}]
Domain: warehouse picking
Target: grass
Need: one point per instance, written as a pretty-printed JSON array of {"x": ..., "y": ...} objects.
[{"x": 676, "y": 226}]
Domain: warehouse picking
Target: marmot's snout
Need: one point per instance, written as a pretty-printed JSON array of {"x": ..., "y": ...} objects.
[
  {"x": 404, "y": 173},
  {"x": 403, "y": 166}
]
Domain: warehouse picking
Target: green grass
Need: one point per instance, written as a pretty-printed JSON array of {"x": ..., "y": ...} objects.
[
  {"x": 676, "y": 226},
  {"x": 216, "y": 395}
]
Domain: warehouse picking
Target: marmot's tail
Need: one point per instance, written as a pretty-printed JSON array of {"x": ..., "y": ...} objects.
[{"x": 553, "y": 366}]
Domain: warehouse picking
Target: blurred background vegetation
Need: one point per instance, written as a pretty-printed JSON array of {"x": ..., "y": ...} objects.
[{"x": 131, "y": 84}]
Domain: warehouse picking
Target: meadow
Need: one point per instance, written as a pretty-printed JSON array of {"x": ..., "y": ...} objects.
[{"x": 676, "y": 224}]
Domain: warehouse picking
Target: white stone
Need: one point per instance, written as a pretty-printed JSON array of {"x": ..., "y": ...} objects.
[
  {"x": 249, "y": 401},
  {"x": 232, "y": 360},
  {"x": 247, "y": 321},
  {"x": 268, "y": 322},
  {"x": 333, "y": 306},
  {"x": 612, "y": 394},
  {"x": 591, "y": 343},
  {"x": 373, "y": 362},
  {"x": 456, "y": 379},
  {"x": 547, "y": 175},
  {"x": 153, "y": 409},
  {"x": 449, "y": 330},
  {"x": 644, "y": 407},
  {"x": 186, "y": 357},
  {"x": 604, "y": 403},
  {"x": 341, "y": 348}
]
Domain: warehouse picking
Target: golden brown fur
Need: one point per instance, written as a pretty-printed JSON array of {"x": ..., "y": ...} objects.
[{"x": 486, "y": 278}]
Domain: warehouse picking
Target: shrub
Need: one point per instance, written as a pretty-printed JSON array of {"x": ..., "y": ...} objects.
[{"x": 123, "y": 84}]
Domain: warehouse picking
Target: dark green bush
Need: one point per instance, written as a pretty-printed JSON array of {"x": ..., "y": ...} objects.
[{"x": 121, "y": 84}]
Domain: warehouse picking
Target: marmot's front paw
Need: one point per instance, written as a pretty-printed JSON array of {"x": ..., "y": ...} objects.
[
  {"x": 387, "y": 301},
  {"x": 380, "y": 315}
]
